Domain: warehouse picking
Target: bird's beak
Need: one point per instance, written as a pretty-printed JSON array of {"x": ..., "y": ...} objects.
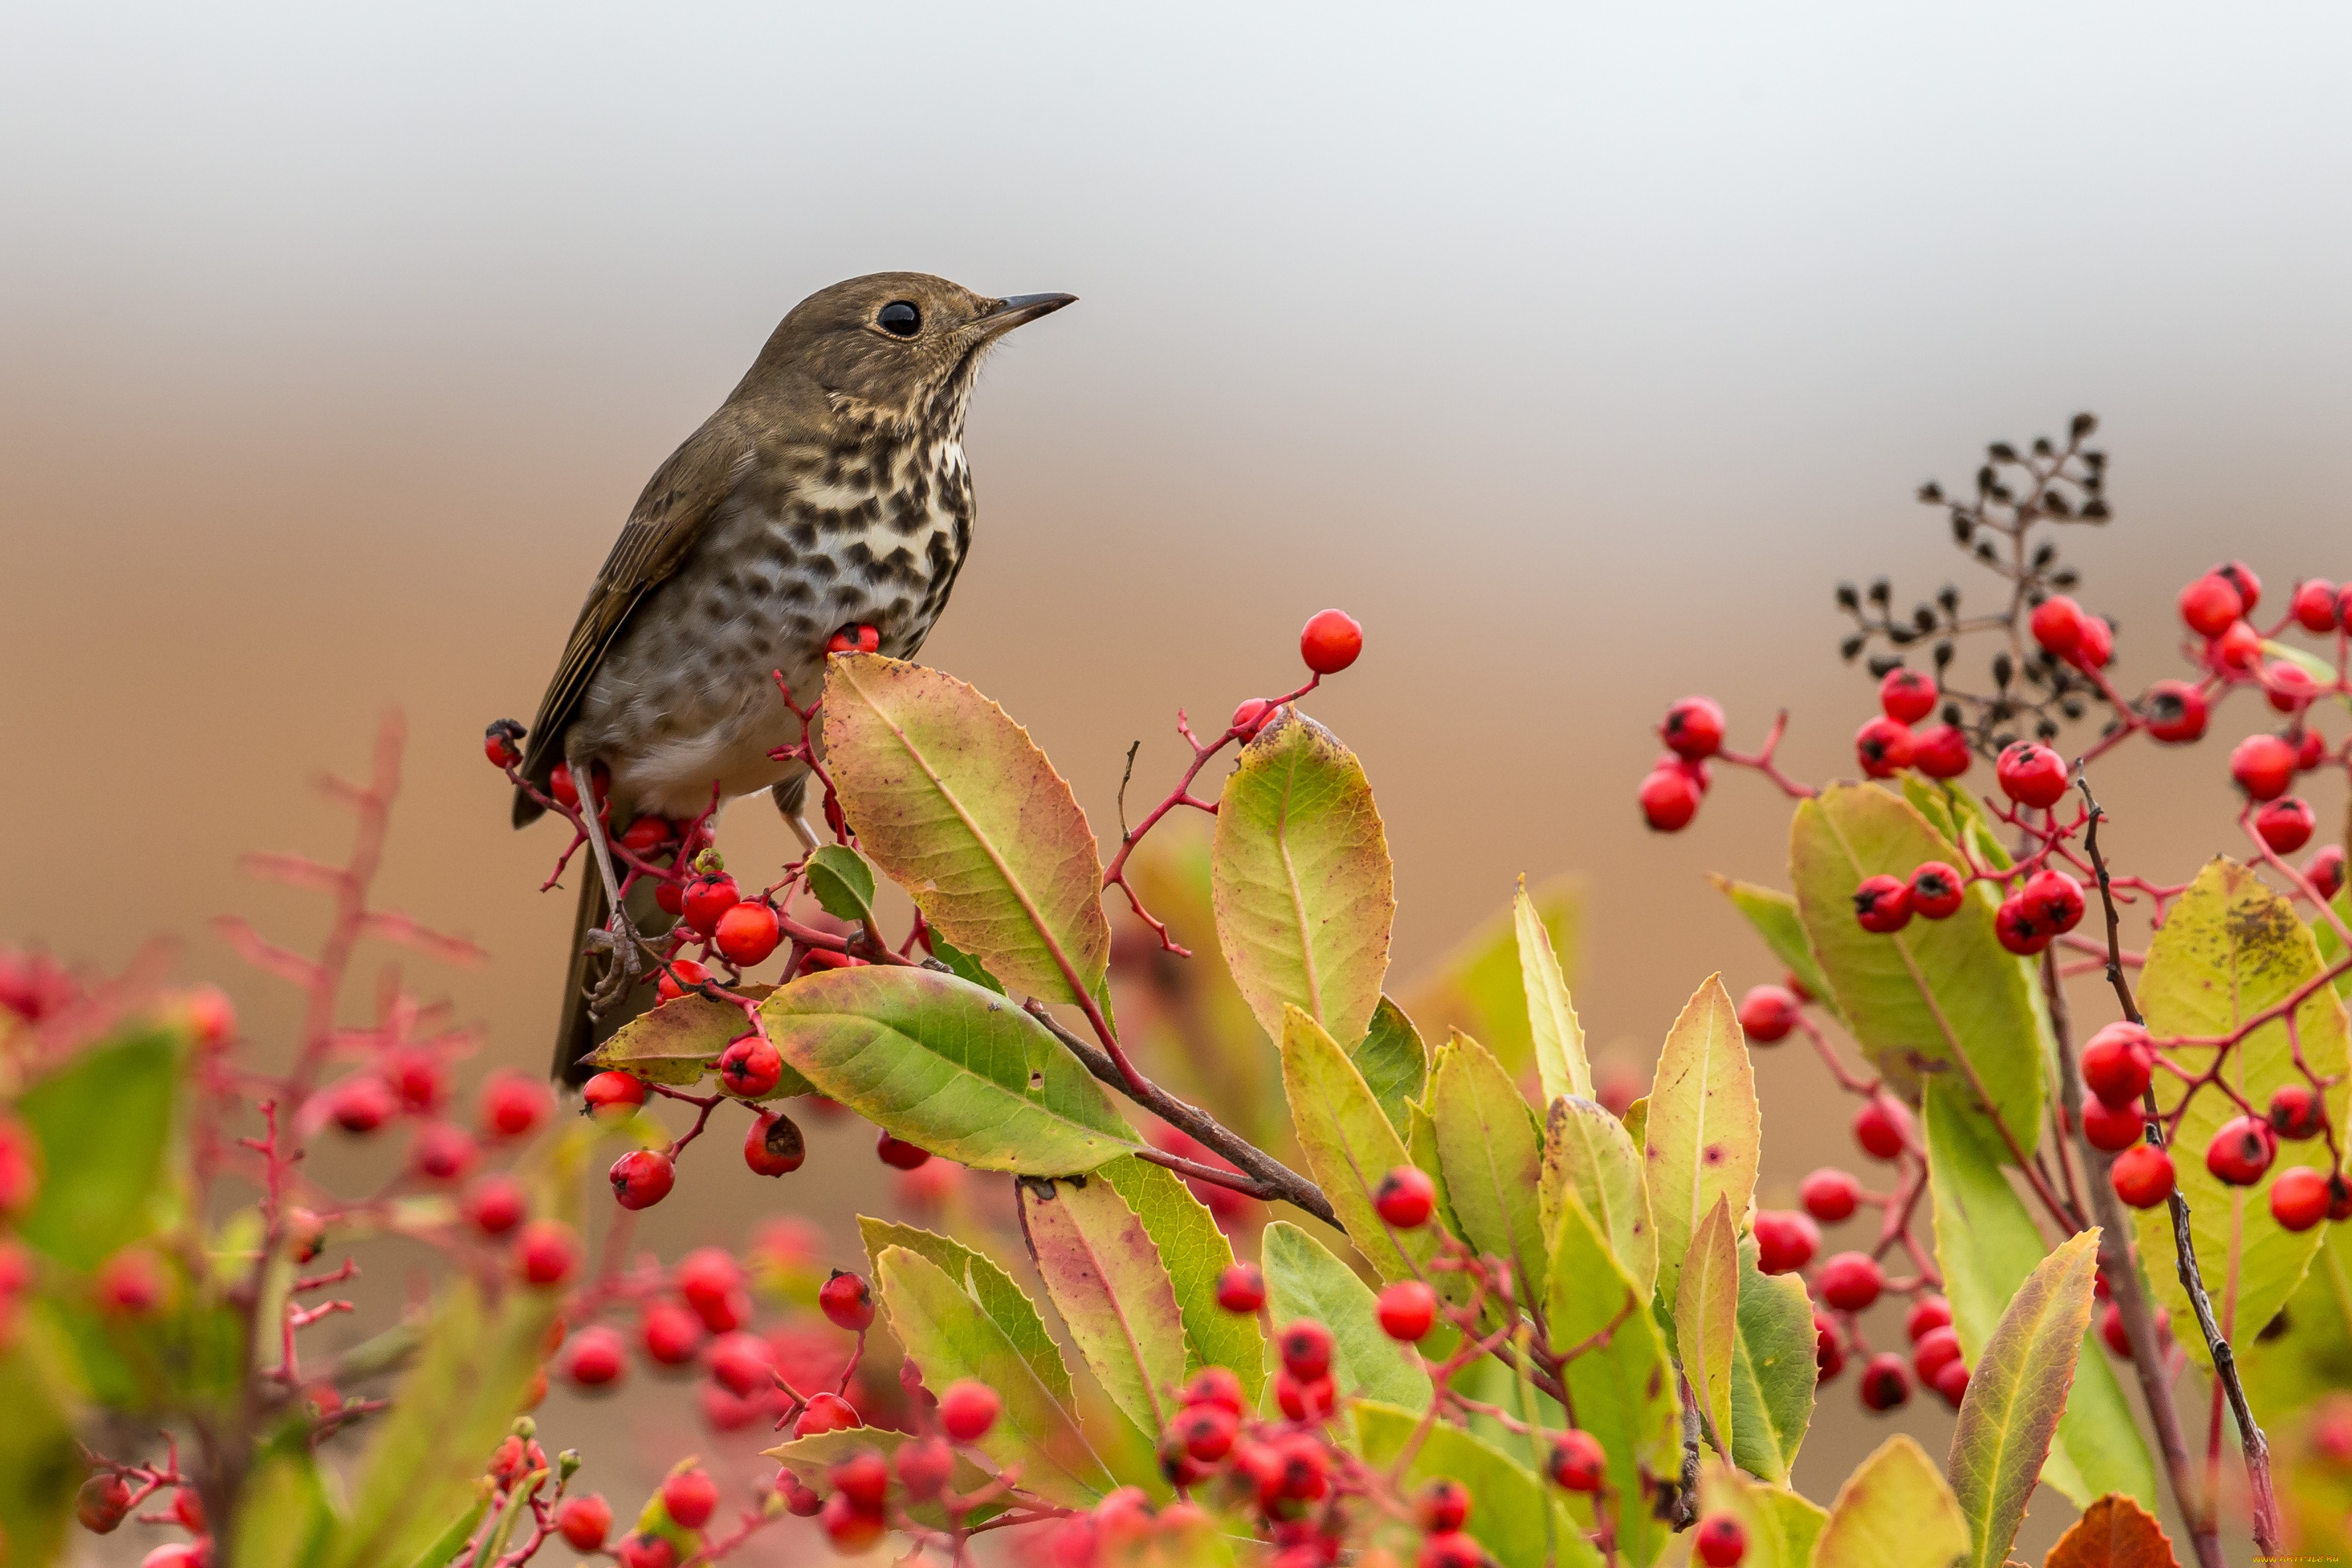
[{"x": 1007, "y": 314}]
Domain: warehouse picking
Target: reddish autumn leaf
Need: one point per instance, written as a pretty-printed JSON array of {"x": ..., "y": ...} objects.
[{"x": 2114, "y": 1532}]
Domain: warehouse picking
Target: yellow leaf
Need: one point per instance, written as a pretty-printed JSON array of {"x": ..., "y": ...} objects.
[{"x": 1703, "y": 1129}]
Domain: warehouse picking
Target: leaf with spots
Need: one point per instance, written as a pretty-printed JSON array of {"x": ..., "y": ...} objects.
[
  {"x": 1589, "y": 1152},
  {"x": 1106, "y": 1278},
  {"x": 1703, "y": 1129},
  {"x": 1195, "y": 1253},
  {"x": 2114, "y": 1532},
  {"x": 1781, "y": 1527},
  {"x": 678, "y": 1042},
  {"x": 1493, "y": 1161},
  {"x": 1773, "y": 1373},
  {"x": 1895, "y": 1511}
]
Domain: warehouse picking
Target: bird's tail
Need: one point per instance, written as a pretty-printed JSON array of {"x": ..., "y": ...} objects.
[{"x": 576, "y": 1032}]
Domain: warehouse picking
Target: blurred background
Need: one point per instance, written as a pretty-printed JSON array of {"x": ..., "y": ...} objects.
[{"x": 1577, "y": 351}]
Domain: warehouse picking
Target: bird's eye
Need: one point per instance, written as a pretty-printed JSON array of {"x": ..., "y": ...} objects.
[{"x": 899, "y": 318}]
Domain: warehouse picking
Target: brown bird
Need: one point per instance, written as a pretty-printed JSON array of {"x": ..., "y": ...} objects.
[{"x": 828, "y": 492}]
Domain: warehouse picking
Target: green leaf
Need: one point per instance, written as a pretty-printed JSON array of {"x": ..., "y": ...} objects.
[
  {"x": 1478, "y": 989},
  {"x": 1350, "y": 1146},
  {"x": 2017, "y": 1391},
  {"x": 1587, "y": 1150},
  {"x": 1893, "y": 1512},
  {"x": 1513, "y": 1515},
  {"x": 445, "y": 1548},
  {"x": 1006, "y": 1304},
  {"x": 953, "y": 800},
  {"x": 678, "y": 1043},
  {"x": 1773, "y": 1373},
  {"x": 965, "y": 966},
  {"x": 842, "y": 882},
  {"x": 949, "y": 1067},
  {"x": 1703, "y": 1130},
  {"x": 1303, "y": 1281},
  {"x": 1106, "y": 1280},
  {"x": 283, "y": 1517},
  {"x": 1707, "y": 1317},
  {"x": 1558, "y": 1039},
  {"x": 1195, "y": 1253},
  {"x": 2232, "y": 948},
  {"x": 812, "y": 1459},
  {"x": 1302, "y": 885},
  {"x": 1623, "y": 1387},
  {"x": 1394, "y": 1062},
  {"x": 1493, "y": 1161},
  {"x": 948, "y": 1337},
  {"x": 1987, "y": 1244},
  {"x": 1782, "y": 1526},
  {"x": 40, "y": 1464},
  {"x": 1774, "y": 916},
  {"x": 1935, "y": 993},
  {"x": 104, "y": 1127}
]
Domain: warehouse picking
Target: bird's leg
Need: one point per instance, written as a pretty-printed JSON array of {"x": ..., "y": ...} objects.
[
  {"x": 619, "y": 937},
  {"x": 787, "y": 795}
]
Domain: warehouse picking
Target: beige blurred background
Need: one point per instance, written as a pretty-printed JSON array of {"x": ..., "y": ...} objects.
[{"x": 1577, "y": 351}]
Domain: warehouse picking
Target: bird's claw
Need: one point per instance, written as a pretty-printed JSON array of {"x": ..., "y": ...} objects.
[{"x": 618, "y": 941}]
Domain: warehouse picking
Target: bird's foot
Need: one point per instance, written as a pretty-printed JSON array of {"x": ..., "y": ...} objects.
[{"x": 618, "y": 940}]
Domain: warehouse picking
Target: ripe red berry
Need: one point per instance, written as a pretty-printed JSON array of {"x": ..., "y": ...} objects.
[
  {"x": 548, "y": 1251},
  {"x": 740, "y": 1364},
  {"x": 1443, "y": 1505},
  {"x": 2288, "y": 688},
  {"x": 498, "y": 743},
  {"x": 747, "y": 934},
  {"x": 646, "y": 834},
  {"x": 1306, "y": 1349},
  {"x": 2112, "y": 1127},
  {"x": 2097, "y": 644},
  {"x": 1407, "y": 1310},
  {"x": 1447, "y": 1549},
  {"x": 2339, "y": 1199},
  {"x": 773, "y": 1145},
  {"x": 2031, "y": 774},
  {"x": 1851, "y": 1281},
  {"x": 1951, "y": 1382},
  {"x": 706, "y": 899},
  {"x": 677, "y": 977},
  {"x": 641, "y": 1179},
  {"x": 1941, "y": 751},
  {"x": 2055, "y": 899},
  {"x": 2296, "y": 1111},
  {"x": 1693, "y": 729},
  {"x": 2241, "y": 576},
  {"x": 968, "y": 1410},
  {"x": 2286, "y": 825},
  {"x": 1767, "y": 1014},
  {"x": 1927, "y": 1315},
  {"x": 584, "y": 1521},
  {"x": 363, "y": 1104},
  {"x": 826, "y": 1413},
  {"x": 594, "y": 1357},
  {"x": 1906, "y": 696},
  {"x": 706, "y": 1274},
  {"x": 610, "y": 1096},
  {"x": 2325, "y": 871},
  {"x": 1250, "y": 717},
  {"x": 1669, "y": 798},
  {"x": 1883, "y": 905},
  {"x": 1886, "y": 1382},
  {"x": 2057, "y": 625},
  {"x": 851, "y": 1529},
  {"x": 1577, "y": 1462},
  {"x": 513, "y": 1103},
  {"x": 1883, "y": 747},
  {"x": 2015, "y": 928},
  {"x": 440, "y": 1152},
  {"x": 2175, "y": 712},
  {"x": 1330, "y": 640},
  {"x": 495, "y": 1204},
  {"x": 2310, "y": 751},
  {"x": 924, "y": 1467},
  {"x": 691, "y": 1497},
  {"x": 2238, "y": 649},
  {"x": 670, "y": 1333},
  {"x": 1305, "y": 1399},
  {"x": 2242, "y": 1150},
  {"x": 865, "y": 1478},
  {"x": 2264, "y": 766},
  {"x": 750, "y": 1067},
  {"x": 846, "y": 1301},
  {"x": 1216, "y": 1386},
  {"x": 2299, "y": 1197},
  {"x": 2210, "y": 604},
  {"x": 1206, "y": 1432},
  {"x": 1933, "y": 1350},
  {"x": 1883, "y": 1126},
  {"x": 643, "y": 1550},
  {"x": 1721, "y": 1541},
  {"x": 1829, "y": 1348},
  {"x": 101, "y": 1502},
  {"x": 1405, "y": 1198},
  {"x": 898, "y": 1154},
  {"x": 2142, "y": 1175},
  {"x": 1241, "y": 1289},
  {"x": 2112, "y": 1330},
  {"x": 1784, "y": 1242},
  {"x": 2117, "y": 1063},
  {"x": 855, "y": 638},
  {"x": 1829, "y": 1195}
]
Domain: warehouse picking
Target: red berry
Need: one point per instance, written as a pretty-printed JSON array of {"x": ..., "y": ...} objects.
[
  {"x": 646, "y": 1552},
  {"x": 1951, "y": 1382},
  {"x": 440, "y": 1152},
  {"x": 1722, "y": 1543},
  {"x": 2339, "y": 1199},
  {"x": 1577, "y": 1462},
  {"x": 1407, "y": 1310},
  {"x": 2142, "y": 1175},
  {"x": 1305, "y": 1399},
  {"x": 851, "y": 1529},
  {"x": 2210, "y": 604},
  {"x": 1216, "y": 1386},
  {"x": 2113, "y": 1127},
  {"x": 363, "y": 1104},
  {"x": 1941, "y": 751},
  {"x": 2096, "y": 647},
  {"x": 968, "y": 1410},
  {"x": 498, "y": 743},
  {"x": 865, "y": 1478},
  {"x": 802, "y": 1501},
  {"x": 846, "y": 1301},
  {"x": 773, "y": 1145},
  {"x": 1405, "y": 1198},
  {"x": 2325, "y": 871},
  {"x": 2296, "y": 1113},
  {"x": 2310, "y": 751},
  {"x": 495, "y": 1204},
  {"x": 2242, "y": 1150},
  {"x": 1883, "y": 1127},
  {"x": 188, "y": 1504},
  {"x": 2238, "y": 649},
  {"x": 1241, "y": 1289},
  {"x": 1767, "y": 1014},
  {"x": 677, "y": 977},
  {"x": 750, "y": 1067},
  {"x": 101, "y": 1502},
  {"x": 1669, "y": 799},
  {"x": 2264, "y": 765},
  {"x": 2299, "y": 1197},
  {"x": 131, "y": 1282},
  {"x": 419, "y": 1078},
  {"x": 691, "y": 1497},
  {"x": 2054, "y": 899},
  {"x": 2057, "y": 625},
  {"x": 612, "y": 1095},
  {"x": 2288, "y": 688},
  {"x": 641, "y": 1179},
  {"x": 707, "y": 898},
  {"x": 1882, "y": 904},
  {"x": 1932, "y": 1350},
  {"x": 594, "y": 1357},
  {"x": 1784, "y": 1242},
  {"x": 1883, "y": 747},
  {"x": 584, "y": 1521},
  {"x": 671, "y": 897},
  {"x": 1443, "y": 1505},
  {"x": 548, "y": 1251},
  {"x": 2241, "y": 576},
  {"x": 2112, "y": 1330},
  {"x": 2175, "y": 712},
  {"x": 826, "y": 1413},
  {"x": 1207, "y": 1431},
  {"x": 898, "y": 1154},
  {"x": 742, "y": 1363},
  {"x": 747, "y": 934},
  {"x": 513, "y": 1103},
  {"x": 1447, "y": 1549},
  {"x": 857, "y": 638},
  {"x": 924, "y": 1467},
  {"x": 1250, "y": 717},
  {"x": 1927, "y": 1315},
  {"x": 1829, "y": 1348},
  {"x": 671, "y": 1334},
  {"x": 1829, "y": 1195},
  {"x": 707, "y": 1275},
  {"x": 1886, "y": 1382},
  {"x": 1851, "y": 1281},
  {"x": 1906, "y": 696},
  {"x": 2014, "y": 927},
  {"x": 1330, "y": 640},
  {"x": 646, "y": 834},
  {"x": 2031, "y": 774},
  {"x": 1306, "y": 1349},
  {"x": 2117, "y": 1063},
  {"x": 2286, "y": 825},
  {"x": 1693, "y": 729}
]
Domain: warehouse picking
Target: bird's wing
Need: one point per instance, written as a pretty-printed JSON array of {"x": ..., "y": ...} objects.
[{"x": 671, "y": 514}]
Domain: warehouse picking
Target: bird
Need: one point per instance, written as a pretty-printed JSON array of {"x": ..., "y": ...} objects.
[{"x": 829, "y": 494}]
